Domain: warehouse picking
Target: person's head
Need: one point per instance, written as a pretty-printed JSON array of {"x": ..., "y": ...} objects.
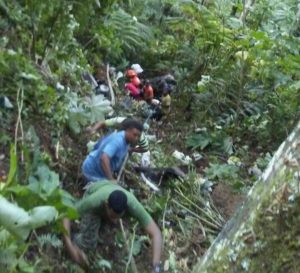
[
  {"x": 133, "y": 129},
  {"x": 116, "y": 205},
  {"x": 130, "y": 73}
]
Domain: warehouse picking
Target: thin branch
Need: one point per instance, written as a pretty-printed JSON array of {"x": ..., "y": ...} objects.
[
  {"x": 130, "y": 256},
  {"x": 201, "y": 210},
  {"x": 32, "y": 49},
  {"x": 217, "y": 227},
  {"x": 50, "y": 32},
  {"x": 122, "y": 168},
  {"x": 19, "y": 124},
  {"x": 165, "y": 209},
  {"x": 112, "y": 94},
  {"x": 132, "y": 261}
]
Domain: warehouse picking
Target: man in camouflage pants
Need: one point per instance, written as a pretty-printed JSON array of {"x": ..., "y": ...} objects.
[{"x": 106, "y": 200}]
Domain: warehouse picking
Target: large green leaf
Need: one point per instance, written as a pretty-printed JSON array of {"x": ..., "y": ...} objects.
[
  {"x": 13, "y": 166},
  {"x": 20, "y": 222},
  {"x": 201, "y": 140},
  {"x": 221, "y": 171},
  {"x": 43, "y": 182},
  {"x": 137, "y": 245}
]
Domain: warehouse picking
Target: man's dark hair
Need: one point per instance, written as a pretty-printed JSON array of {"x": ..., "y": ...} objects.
[
  {"x": 130, "y": 123},
  {"x": 117, "y": 201}
]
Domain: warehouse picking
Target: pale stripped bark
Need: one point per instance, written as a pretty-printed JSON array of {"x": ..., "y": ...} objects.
[{"x": 286, "y": 161}]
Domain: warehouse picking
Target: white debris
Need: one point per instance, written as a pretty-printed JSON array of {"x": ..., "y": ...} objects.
[
  {"x": 203, "y": 129},
  {"x": 254, "y": 170},
  {"x": 197, "y": 156},
  {"x": 59, "y": 86},
  {"x": 7, "y": 103},
  {"x": 149, "y": 183},
  {"x": 245, "y": 264},
  {"x": 184, "y": 159},
  {"x": 145, "y": 159}
]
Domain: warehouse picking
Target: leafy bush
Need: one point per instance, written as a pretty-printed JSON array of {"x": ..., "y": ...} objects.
[
  {"x": 218, "y": 140},
  {"x": 222, "y": 171}
]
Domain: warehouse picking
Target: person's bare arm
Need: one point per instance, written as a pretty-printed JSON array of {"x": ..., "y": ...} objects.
[
  {"x": 138, "y": 150},
  {"x": 105, "y": 164},
  {"x": 97, "y": 126},
  {"x": 73, "y": 250},
  {"x": 153, "y": 230}
]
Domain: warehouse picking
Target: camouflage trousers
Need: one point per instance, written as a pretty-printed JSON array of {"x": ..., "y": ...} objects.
[{"x": 88, "y": 236}]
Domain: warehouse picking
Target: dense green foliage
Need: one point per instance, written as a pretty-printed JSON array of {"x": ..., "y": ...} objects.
[{"x": 237, "y": 67}]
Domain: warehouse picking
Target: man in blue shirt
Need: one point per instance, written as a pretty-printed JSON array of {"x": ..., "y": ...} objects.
[{"x": 107, "y": 159}]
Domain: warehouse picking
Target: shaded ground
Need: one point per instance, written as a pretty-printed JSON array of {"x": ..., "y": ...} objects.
[{"x": 226, "y": 200}]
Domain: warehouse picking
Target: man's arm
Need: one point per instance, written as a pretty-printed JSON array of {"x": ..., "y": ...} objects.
[
  {"x": 138, "y": 150},
  {"x": 156, "y": 237},
  {"x": 96, "y": 127},
  {"x": 74, "y": 251},
  {"x": 105, "y": 164}
]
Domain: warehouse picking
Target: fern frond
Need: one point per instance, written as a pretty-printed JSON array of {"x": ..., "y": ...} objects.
[
  {"x": 49, "y": 240},
  {"x": 8, "y": 259},
  {"x": 130, "y": 32}
]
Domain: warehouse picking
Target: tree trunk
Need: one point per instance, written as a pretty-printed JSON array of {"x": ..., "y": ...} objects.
[{"x": 262, "y": 236}]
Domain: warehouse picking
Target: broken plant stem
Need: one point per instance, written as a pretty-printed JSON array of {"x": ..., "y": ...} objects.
[
  {"x": 182, "y": 229},
  {"x": 165, "y": 209},
  {"x": 201, "y": 200},
  {"x": 132, "y": 261},
  {"x": 202, "y": 210},
  {"x": 213, "y": 212},
  {"x": 57, "y": 150},
  {"x": 130, "y": 255},
  {"x": 161, "y": 177},
  {"x": 202, "y": 228},
  {"x": 207, "y": 229},
  {"x": 211, "y": 203},
  {"x": 213, "y": 225}
]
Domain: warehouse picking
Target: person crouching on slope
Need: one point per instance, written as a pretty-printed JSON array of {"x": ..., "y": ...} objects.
[
  {"x": 106, "y": 160},
  {"x": 107, "y": 202}
]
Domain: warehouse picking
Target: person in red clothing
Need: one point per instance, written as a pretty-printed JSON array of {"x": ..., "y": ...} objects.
[{"x": 133, "y": 87}]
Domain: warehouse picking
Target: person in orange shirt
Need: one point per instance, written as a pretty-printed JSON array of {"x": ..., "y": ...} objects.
[{"x": 148, "y": 92}]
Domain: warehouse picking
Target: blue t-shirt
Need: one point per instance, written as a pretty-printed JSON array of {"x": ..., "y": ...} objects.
[{"x": 115, "y": 146}]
